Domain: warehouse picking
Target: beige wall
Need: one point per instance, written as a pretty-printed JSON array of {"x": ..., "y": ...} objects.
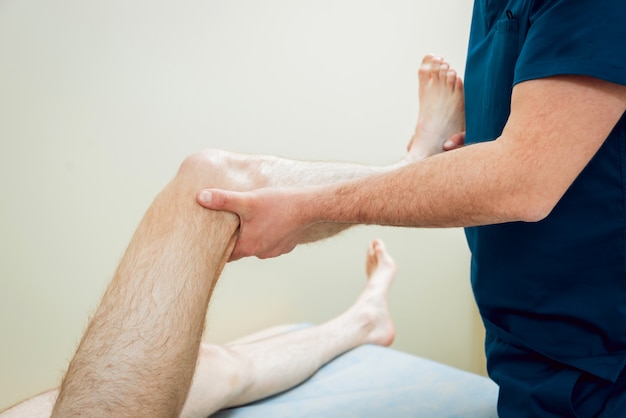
[{"x": 100, "y": 101}]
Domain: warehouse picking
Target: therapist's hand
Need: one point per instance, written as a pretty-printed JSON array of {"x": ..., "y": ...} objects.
[{"x": 270, "y": 222}]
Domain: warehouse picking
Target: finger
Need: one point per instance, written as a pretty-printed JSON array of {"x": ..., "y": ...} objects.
[
  {"x": 276, "y": 251},
  {"x": 234, "y": 256},
  {"x": 242, "y": 248},
  {"x": 410, "y": 144},
  {"x": 234, "y": 252},
  {"x": 454, "y": 142}
]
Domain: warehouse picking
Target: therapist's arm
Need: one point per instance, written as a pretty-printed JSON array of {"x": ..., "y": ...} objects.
[{"x": 555, "y": 127}]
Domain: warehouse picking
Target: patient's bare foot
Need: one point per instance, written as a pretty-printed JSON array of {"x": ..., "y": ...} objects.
[
  {"x": 372, "y": 302},
  {"x": 441, "y": 108}
]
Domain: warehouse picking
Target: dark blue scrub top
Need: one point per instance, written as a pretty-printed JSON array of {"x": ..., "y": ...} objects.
[{"x": 557, "y": 286}]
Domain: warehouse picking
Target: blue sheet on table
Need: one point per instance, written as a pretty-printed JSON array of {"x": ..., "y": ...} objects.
[{"x": 374, "y": 381}]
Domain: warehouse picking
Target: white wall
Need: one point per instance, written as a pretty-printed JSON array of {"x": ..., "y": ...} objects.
[{"x": 100, "y": 101}]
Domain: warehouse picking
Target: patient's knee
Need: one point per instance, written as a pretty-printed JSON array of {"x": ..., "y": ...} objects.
[
  {"x": 209, "y": 162},
  {"x": 224, "y": 169}
]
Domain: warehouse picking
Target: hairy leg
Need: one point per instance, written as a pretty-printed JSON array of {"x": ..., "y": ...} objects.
[
  {"x": 441, "y": 117},
  {"x": 273, "y": 360},
  {"x": 144, "y": 338},
  {"x": 266, "y": 366},
  {"x": 139, "y": 352}
]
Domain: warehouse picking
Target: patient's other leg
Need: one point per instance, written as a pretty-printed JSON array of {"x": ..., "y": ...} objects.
[
  {"x": 39, "y": 406},
  {"x": 138, "y": 355},
  {"x": 254, "y": 369}
]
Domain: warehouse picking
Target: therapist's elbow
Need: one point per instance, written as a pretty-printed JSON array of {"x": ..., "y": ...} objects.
[
  {"x": 535, "y": 213},
  {"x": 533, "y": 207}
]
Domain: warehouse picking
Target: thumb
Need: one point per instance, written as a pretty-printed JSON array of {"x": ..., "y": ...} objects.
[{"x": 217, "y": 199}]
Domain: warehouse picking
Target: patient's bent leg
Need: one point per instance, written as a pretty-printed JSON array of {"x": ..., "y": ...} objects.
[
  {"x": 141, "y": 347},
  {"x": 138, "y": 354},
  {"x": 152, "y": 314},
  {"x": 441, "y": 117},
  {"x": 261, "y": 368}
]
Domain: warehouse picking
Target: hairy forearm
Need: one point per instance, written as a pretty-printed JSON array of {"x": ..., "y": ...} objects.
[
  {"x": 521, "y": 176},
  {"x": 471, "y": 186}
]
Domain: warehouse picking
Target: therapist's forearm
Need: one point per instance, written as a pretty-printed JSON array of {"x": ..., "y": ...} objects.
[
  {"x": 555, "y": 128},
  {"x": 470, "y": 186}
]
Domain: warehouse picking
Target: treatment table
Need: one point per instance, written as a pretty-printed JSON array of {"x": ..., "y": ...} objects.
[{"x": 373, "y": 381}]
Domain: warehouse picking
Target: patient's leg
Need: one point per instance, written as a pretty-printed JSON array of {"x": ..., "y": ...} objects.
[
  {"x": 255, "y": 369},
  {"x": 273, "y": 360},
  {"x": 138, "y": 355},
  {"x": 441, "y": 118}
]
